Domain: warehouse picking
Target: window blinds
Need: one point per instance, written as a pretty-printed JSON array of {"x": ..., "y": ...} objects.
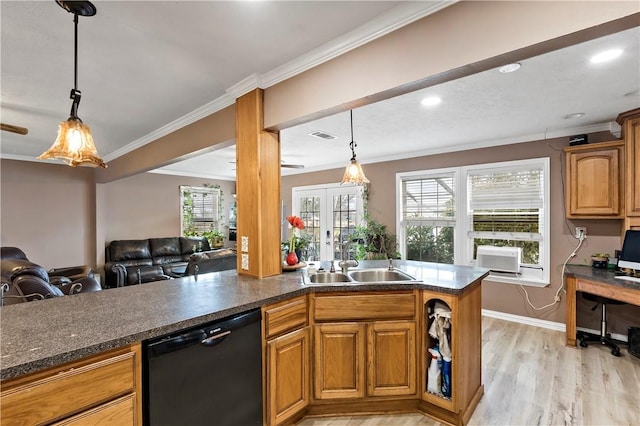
[
  {"x": 506, "y": 188},
  {"x": 429, "y": 199}
]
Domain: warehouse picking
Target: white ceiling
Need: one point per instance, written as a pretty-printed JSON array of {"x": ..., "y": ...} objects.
[{"x": 146, "y": 68}]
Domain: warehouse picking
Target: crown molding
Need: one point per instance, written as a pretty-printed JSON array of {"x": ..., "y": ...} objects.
[
  {"x": 198, "y": 114},
  {"x": 190, "y": 174},
  {"x": 394, "y": 19},
  {"x": 547, "y": 134}
]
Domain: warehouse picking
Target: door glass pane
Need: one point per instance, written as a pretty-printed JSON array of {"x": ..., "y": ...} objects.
[
  {"x": 310, "y": 214},
  {"x": 344, "y": 223}
]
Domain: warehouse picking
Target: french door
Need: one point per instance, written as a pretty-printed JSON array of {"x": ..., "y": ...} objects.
[{"x": 330, "y": 214}]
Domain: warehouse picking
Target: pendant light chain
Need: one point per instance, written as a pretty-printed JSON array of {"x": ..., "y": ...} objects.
[
  {"x": 352, "y": 144},
  {"x": 75, "y": 53}
]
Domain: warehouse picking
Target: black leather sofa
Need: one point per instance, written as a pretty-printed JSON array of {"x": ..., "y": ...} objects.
[
  {"x": 25, "y": 281},
  {"x": 129, "y": 262}
]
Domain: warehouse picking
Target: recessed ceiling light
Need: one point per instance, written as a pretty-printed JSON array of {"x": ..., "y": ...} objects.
[
  {"x": 431, "y": 101},
  {"x": 509, "y": 67},
  {"x": 605, "y": 56},
  {"x": 573, "y": 115}
]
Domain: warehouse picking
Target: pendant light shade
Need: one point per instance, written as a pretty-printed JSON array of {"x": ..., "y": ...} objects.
[
  {"x": 74, "y": 144},
  {"x": 353, "y": 173}
]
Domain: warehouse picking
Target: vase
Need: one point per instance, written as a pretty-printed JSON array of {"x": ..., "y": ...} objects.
[{"x": 292, "y": 259}]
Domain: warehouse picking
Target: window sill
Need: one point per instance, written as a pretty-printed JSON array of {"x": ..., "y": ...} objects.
[{"x": 526, "y": 281}]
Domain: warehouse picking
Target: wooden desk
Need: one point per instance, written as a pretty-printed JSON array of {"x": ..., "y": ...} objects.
[{"x": 595, "y": 281}]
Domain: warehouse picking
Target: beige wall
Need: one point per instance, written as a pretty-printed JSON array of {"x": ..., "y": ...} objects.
[
  {"x": 603, "y": 235},
  {"x": 148, "y": 206},
  {"x": 47, "y": 211}
]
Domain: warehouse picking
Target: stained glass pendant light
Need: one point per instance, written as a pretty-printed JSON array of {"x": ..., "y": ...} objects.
[
  {"x": 74, "y": 144},
  {"x": 353, "y": 173}
]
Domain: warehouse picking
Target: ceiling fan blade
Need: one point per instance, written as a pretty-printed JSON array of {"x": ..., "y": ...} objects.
[
  {"x": 292, "y": 166},
  {"x": 14, "y": 129}
]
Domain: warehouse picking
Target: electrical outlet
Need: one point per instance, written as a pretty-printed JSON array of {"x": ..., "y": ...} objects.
[{"x": 581, "y": 231}]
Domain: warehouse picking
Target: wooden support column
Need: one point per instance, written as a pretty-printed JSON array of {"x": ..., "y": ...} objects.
[{"x": 257, "y": 189}]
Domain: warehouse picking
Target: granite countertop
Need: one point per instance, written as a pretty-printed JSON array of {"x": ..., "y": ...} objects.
[
  {"x": 41, "y": 334},
  {"x": 601, "y": 275}
]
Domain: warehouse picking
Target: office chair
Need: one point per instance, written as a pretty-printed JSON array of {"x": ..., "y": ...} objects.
[{"x": 605, "y": 337}]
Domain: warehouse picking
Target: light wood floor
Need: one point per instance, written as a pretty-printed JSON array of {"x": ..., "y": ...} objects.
[{"x": 531, "y": 378}]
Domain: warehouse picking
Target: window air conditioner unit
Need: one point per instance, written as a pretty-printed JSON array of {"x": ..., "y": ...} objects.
[{"x": 502, "y": 259}]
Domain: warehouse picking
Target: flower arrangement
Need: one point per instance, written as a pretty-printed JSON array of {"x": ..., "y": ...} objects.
[{"x": 296, "y": 223}]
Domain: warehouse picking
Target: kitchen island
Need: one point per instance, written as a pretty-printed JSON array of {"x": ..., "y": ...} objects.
[{"x": 39, "y": 336}]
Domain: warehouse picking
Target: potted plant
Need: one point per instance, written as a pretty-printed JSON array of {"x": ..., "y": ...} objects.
[
  {"x": 375, "y": 241},
  {"x": 215, "y": 237},
  {"x": 296, "y": 223}
]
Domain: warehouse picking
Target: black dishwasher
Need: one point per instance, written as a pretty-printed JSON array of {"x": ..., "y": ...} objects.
[{"x": 206, "y": 375}]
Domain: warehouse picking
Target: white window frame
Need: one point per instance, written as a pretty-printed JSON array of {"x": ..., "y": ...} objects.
[
  {"x": 214, "y": 222},
  {"x": 463, "y": 239}
]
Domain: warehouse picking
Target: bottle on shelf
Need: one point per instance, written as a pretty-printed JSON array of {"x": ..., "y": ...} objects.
[
  {"x": 446, "y": 377},
  {"x": 434, "y": 382}
]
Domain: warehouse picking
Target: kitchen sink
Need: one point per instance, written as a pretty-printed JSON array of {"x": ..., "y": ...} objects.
[
  {"x": 379, "y": 275},
  {"x": 356, "y": 276},
  {"x": 329, "y": 277}
]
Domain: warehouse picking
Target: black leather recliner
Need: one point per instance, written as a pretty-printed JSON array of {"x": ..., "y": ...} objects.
[{"x": 24, "y": 281}]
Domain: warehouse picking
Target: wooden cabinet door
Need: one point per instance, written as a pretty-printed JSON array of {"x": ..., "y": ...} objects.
[
  {"x": 287, "y": 375},
  {"x": 339, "y": 360},
  {"x": 391, "y": 354},
  {"x": 594, "y": 180},
  {"x": 632, "y": 137}
]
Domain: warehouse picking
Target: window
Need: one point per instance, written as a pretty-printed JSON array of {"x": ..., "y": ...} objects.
[
  {"x": 201, "y": 207},
  {"x": 444, "y": 215},
  {"x": 429, "y": 217}
]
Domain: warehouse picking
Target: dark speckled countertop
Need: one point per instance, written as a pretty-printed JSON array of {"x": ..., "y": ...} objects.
[
  {"x": 41, "y": 334},
  {"x": 601, "y": 275}
]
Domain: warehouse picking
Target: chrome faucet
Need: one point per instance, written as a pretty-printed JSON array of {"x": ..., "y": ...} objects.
[{"x": 345, "y": 263}]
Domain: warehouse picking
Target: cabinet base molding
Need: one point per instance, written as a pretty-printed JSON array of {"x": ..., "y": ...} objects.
[
  {"x": 335, "y": 408},
  {"x": 446, "y": 416}
]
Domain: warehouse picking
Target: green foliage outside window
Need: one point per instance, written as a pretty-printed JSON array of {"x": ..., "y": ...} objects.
[{"x": 430, "y": 244}]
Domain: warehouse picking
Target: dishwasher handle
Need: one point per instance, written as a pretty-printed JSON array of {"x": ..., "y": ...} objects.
[
  {"x": 175, "y": 343},
  {"x": 215, "y": 339}
]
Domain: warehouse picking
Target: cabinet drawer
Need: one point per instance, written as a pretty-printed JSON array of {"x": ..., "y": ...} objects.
[
  {"x": 285, "y": 316},
  {"x": 68, "y": 390},
  {"x": 349, "y": 307},
  {"x": 119, "y": 412}
]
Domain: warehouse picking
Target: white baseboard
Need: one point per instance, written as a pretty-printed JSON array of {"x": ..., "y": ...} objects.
[{"x": 551, "y": 325}]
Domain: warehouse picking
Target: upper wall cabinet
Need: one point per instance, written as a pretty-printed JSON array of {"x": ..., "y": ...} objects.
[
  {"x": 630, "y": 122},
  {"x": 595, "y": 181}
]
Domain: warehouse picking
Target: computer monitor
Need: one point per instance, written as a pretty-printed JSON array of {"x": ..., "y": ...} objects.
[{"x": 630, "y": 254}]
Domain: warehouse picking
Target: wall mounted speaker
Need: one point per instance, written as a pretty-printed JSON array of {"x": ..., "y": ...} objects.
[
  {"x": 634, "y": 341},
  {"x": 578, "y": 140}
]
